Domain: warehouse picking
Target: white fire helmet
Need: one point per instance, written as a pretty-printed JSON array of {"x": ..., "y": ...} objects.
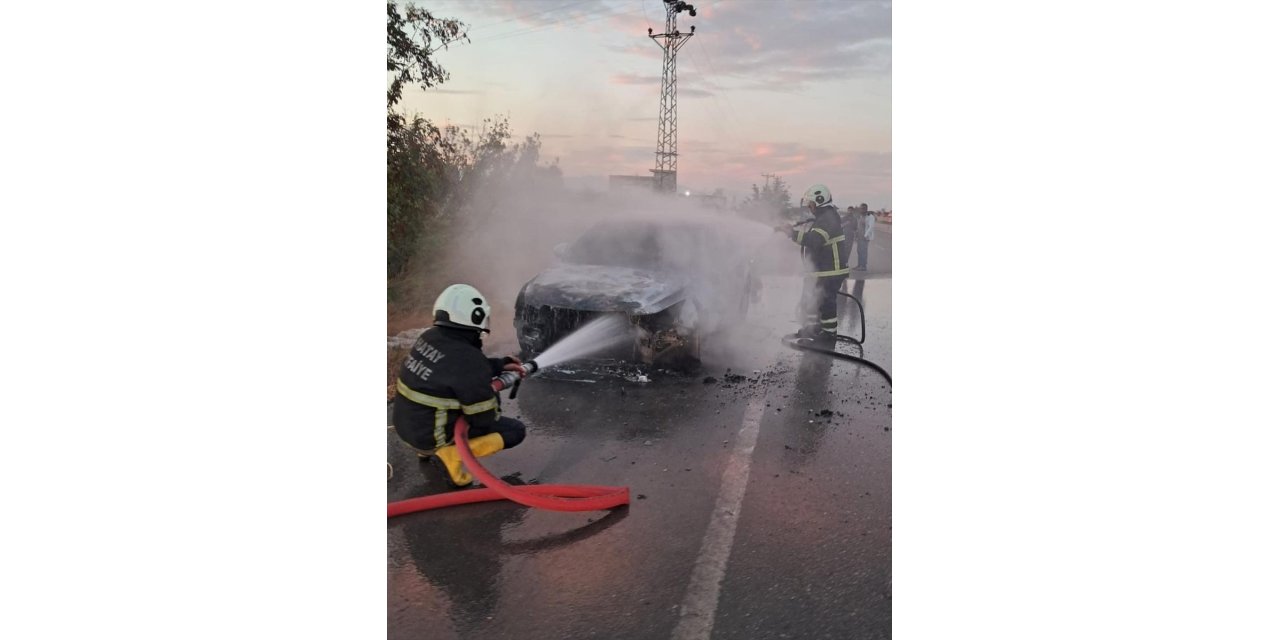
[
  {"x": 818, "y": 195},
  {"x": 462, "y": 306}
]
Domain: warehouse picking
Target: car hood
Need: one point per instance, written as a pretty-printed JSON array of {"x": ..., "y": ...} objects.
[{"x": 603, "y": 288}]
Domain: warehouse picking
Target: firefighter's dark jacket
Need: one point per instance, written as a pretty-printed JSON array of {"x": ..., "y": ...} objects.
[
  {"x": 824, "y": 245},
  {"x": 445, "y": 375}
]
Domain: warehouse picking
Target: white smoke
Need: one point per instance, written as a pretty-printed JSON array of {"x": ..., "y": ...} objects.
[{"x": 499, "y": 250}]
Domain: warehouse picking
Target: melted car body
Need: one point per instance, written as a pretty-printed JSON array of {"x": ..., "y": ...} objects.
[{"x": 675, "y": 281}]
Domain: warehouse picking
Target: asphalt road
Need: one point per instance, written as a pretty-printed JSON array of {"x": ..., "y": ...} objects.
[{"x": 760, "y": 504}]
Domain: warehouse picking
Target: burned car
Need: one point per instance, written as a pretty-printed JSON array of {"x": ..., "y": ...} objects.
[{"x": 677, "y": 282}]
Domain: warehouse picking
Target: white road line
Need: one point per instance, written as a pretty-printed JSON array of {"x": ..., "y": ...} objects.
[{"x": 698, "y": 610}]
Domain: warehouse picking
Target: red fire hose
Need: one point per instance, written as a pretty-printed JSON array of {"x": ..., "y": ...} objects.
[{"x": 554, "y": 497}]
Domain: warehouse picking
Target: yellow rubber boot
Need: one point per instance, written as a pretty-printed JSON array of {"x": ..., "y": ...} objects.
[
  {"x": 487, "y": 445},
  {"x": 453, "y": 464}
]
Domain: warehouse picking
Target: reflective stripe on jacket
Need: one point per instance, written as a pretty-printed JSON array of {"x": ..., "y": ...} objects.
[
  {"x": 444, "y": 376},
  {"x": 824, "y": 245}
]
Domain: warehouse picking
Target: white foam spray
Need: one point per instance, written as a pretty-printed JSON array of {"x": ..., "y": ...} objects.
[{"x": 600, "y": 334}]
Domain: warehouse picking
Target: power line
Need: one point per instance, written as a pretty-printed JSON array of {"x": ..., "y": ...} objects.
[
  {"x": 733, "y": 126},
  {"x": 715, "y": 100},
  {"x": 737, "y": 122}
]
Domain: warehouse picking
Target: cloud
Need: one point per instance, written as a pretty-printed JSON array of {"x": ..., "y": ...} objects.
[
  {"x": 689, "y": 84},
  {"x": 509, "y": 15},
  {"x": 699, "y": 146},
  {"x": 861, "y": 176},
  {"x": 511, "y": 18},
  {"x": 616, "y": 158},
  {"x": 646, "y": 50},
  {"x": 793, "y": 157},
  {"x": 784, "y": 46},
  {"x": 635, "y": 79}
]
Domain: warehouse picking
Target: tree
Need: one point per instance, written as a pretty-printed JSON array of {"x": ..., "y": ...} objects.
[
  {"x": 417, "y": 150},
  {"x": 440, "y": 179},
  {"x": 775, "y": 196},
  {"x": 411, "y": 39}
]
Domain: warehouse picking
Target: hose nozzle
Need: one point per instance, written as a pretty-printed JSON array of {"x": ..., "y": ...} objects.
[{"x": 509, "y": 378}]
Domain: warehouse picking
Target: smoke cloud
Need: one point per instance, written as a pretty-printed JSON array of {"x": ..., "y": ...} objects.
[{"x": 500, "y": 248}]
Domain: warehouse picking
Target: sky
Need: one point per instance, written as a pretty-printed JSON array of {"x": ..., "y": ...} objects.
[{"x": 798, "y": 89}]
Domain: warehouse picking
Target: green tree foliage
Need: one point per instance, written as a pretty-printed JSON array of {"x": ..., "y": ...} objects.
[
  {"x": 415, "y": 179},
  {"x": 442, "y": 178},
  {"x": 417, "y": 173},
  {"x": 411, "y": 39}
]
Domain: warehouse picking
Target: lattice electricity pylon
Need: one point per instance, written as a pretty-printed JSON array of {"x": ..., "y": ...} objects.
[{"x": 664, "y": 171}]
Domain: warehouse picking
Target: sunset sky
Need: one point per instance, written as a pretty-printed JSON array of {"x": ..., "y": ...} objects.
[{"x": 800, "y": 89}]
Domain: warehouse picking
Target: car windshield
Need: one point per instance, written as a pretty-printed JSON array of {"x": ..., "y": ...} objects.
[{"x": 635, "y": 245}]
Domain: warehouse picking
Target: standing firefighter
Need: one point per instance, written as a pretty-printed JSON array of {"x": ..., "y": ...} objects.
[
  {"x": 447, "y": 375},
  {"x": 827, "y": 255}
]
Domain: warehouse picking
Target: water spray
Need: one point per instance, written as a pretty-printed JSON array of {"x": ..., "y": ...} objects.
[{"x": 597, "y": 335}]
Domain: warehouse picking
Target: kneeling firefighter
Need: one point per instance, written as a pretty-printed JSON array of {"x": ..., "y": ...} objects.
[
  {"x": 447, "y": 375},
  {"x": 826, "y": 253}
]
